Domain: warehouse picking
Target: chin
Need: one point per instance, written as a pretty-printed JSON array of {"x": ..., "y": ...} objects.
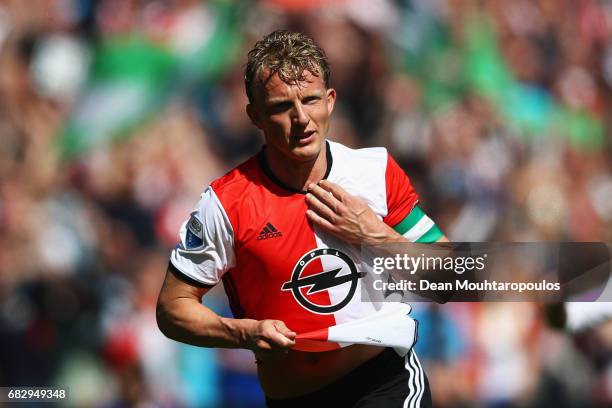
[{"x": 307, "y": 152}]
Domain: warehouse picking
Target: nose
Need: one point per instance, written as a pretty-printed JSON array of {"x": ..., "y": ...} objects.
[{"x": 300, "y": 117}]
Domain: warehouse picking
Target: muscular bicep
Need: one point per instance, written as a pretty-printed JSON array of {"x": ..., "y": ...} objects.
[
  {"x": 179, "y": 307},
  {"x": 197, "y": 263},
  {"x": 181, "y": 316},
  {"x": 177, "y": 286}
]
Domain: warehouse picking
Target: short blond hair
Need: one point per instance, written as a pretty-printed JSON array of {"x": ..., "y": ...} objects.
[{"x": 287, "y": 54}]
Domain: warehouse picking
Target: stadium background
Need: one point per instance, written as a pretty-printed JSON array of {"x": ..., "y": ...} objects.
[{"x": 114, "y": 114}]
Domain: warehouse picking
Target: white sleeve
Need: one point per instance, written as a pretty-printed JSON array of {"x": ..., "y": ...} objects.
[{"x": 206, "y": 248}]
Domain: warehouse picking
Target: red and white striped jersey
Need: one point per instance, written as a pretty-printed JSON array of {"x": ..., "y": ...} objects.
[{"x": 251, "y": 232}]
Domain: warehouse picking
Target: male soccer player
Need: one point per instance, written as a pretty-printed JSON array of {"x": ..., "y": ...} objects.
[{"x": 282, "y": 231}]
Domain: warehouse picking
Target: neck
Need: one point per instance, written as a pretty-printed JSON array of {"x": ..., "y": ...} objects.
[{"x": 295, "y": 173}]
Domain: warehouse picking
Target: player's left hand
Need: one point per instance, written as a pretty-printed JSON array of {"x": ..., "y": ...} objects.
[{"x": 346, "y": 216}]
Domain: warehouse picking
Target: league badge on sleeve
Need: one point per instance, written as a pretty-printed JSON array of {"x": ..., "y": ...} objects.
[{"x": 194, "y": 237}]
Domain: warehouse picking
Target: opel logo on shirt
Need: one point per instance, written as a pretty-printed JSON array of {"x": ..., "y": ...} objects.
[{"x": 324, "y": 280}]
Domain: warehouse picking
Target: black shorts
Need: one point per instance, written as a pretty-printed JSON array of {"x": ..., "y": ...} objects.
[{"x": 387, "y": 380}]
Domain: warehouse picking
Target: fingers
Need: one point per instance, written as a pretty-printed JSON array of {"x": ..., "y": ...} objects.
[
  {"x": 325, "y": 207},
  {"x": 334, "y": 188},
  {"x": 324, "y": 196},
  {"x": 345, "y": 216},
  {"x": 284, "y": 330},
  {"x": 326, "y": 201},
  {"x": 322, "y": 222},
  {"x": 279, "y": 340},
  {"x": 320, "y": 208},
  {"x": 273, "y": 334}
]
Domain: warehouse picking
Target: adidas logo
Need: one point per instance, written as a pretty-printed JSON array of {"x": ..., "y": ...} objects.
[{"x": 269, "y": 232}]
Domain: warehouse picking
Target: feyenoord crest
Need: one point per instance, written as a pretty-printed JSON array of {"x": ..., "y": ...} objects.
[{"x": 323, "y": 280}]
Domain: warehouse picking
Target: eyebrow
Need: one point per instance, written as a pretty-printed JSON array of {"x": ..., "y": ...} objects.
[{"x": 278, "y": 100}]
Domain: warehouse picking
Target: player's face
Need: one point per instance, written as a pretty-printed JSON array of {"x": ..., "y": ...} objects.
[{"x": 293, "y": 117}]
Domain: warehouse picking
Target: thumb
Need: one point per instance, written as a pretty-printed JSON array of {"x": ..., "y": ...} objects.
[{"x": 284, "y": 330}]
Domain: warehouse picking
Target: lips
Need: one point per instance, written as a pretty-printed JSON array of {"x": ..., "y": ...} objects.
[{"x": 304, "y": 138}]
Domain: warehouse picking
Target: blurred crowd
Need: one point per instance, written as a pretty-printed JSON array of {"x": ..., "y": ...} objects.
[{"x": 115, "y": 114}]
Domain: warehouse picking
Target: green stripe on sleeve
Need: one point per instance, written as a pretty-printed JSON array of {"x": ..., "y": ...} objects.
[
  {"x": 431, "y": 236},
  {"x": 410, "y": 221}
]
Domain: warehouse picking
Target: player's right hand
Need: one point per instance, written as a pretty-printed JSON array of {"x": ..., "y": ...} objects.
[{"x": 271, "y": 339}]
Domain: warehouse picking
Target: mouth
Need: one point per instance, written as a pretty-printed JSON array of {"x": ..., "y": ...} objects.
[{"x": 304, "y": 138}]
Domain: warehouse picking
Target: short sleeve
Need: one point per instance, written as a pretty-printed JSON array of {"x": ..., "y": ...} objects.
[
  {"x": 404, "y": 214},
  {"x": 401, "y": 197},
  {"x": 206, "y": 247}
]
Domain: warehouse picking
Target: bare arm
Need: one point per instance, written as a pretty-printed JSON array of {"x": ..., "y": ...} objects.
[{"x": 182, "y": 317}]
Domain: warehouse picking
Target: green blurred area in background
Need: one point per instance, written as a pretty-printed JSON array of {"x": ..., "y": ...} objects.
[{"x": 133, "y": 77}]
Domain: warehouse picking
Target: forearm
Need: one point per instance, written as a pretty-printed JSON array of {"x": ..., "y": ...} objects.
[
  {"x": 188, "y": 321},
  {"x": 381, "y": 234},
  {"x": 182, "y": 317}
]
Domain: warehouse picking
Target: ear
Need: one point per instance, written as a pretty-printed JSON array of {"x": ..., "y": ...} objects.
[
  {"x": 252, "y": 112},
  {"x": 331, "y": 100}
]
